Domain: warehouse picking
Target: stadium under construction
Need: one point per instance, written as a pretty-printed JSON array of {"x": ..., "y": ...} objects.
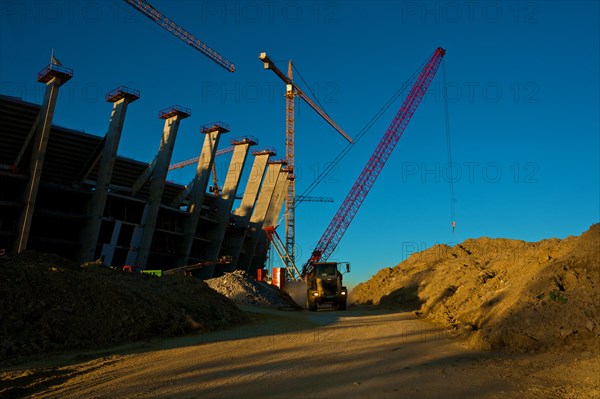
[{"x": 70, "y": 193}]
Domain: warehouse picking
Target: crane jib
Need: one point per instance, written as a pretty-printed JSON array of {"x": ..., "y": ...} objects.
[
  {"x": 153, "y": 14},
  {"x": 269, "y": 64}
]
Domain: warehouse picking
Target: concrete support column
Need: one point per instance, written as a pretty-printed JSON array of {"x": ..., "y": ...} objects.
[
  {"x": 205, "y": 162},
  {"x": 120, "y": 97},
  {"x": 261, "y": 248},
  {"x": 271, "y": 190},
  {"x": 236, "y": 168},
  {"x": 234, "y": 238},
  {"x": 142, "y": 238},
  {"x": 108, "y": 250},
  {"x": 259, "y": 166},
  {"x": 276, "y": 203},
  {"x": 53, "y": 76},
  {"x": 232, "y": 181}
]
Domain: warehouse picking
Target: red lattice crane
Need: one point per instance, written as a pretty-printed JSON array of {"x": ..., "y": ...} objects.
[
  {"x": 146, "y": 9},
  {"x": 348, "y": 209}
]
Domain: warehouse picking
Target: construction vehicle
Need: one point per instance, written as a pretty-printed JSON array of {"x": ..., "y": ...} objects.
[
  {"x": 184, "y": 270},
  {"x": 324, "y": 286}
]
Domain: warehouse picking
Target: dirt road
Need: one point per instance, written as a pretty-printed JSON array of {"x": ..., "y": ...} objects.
[{"x": 364, "y": 352}]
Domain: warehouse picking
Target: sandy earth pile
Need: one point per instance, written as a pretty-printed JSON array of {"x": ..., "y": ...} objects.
[
  {"x": 245, "y": 290},
  {"x": 502, "y": 294},
  {"x": 51, "y": 304}
]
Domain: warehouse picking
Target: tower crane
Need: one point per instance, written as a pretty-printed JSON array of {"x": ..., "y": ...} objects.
[
  {"x": 292, "y": 90},
  {"x": 227, "y": 150},
  {"x": 153, "y": 14},
  {"x": 348, "y": 209},
  {"x": 147, "y": 10},
  {"x": 191, "y": 161}
]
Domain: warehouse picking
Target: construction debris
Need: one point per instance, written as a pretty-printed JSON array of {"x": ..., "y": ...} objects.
[
  {"x": 245, "y": 290},
  {"x": 502, "y": 294},
  {"x": 50, "y": 304}
]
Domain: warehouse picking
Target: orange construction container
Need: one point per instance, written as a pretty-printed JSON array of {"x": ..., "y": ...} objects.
[
  {"x": 261, "y": 274},
  {"x": 279, "y": 277}
]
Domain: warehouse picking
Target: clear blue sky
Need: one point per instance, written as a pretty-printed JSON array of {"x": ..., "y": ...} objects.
[{"x": 523, "y": 90}]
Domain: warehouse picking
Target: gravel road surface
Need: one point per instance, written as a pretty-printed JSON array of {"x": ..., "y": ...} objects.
[{"x": 361, "y": 353}]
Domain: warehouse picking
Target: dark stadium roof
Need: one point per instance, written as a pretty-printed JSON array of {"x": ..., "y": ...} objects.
[{"x": 68, "y": 151}]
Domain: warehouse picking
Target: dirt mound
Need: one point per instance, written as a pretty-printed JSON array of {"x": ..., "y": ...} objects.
[
  {"x": 245, "y": 290},
  {"x": 51, "y": 304},
  {"x": 502, "y": 294}
]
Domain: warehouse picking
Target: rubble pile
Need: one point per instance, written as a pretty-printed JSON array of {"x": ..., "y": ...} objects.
[{"x": 245, "y": 290}]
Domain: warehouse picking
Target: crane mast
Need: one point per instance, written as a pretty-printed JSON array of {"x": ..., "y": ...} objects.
[
  {"x": 292, "y": 90},
  {"x": 348, "y": 209},
  {"x": 290, "y": 214}
]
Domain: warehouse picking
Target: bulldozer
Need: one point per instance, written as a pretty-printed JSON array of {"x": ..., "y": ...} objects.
[{"x": 324, "y": 286}]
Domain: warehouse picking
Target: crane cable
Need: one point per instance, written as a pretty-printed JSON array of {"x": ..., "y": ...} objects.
[
  {"x": 309, "y": 89},
  {"x": 331, "y": 166},
  {"x": 449, "y": 148}
]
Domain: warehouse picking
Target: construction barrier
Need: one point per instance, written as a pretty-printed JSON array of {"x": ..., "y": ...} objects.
[
  {"x": 279, "y": 276},
  {"x": 261, "y": 274}
]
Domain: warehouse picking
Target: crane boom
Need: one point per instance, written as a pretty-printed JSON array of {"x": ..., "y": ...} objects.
[
  {"x": 187, "y": 162},
  {"x": 271, "y": 65},
  {"x": 348, "y": 209},
  {"x": 323, "y": 114},
  {"x": 302, "y": 198},
  {"x": 146, "y": 9}
]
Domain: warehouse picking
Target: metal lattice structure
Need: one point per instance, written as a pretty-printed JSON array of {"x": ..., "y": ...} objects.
[
  {"x": 187, "y": 162},
  {"x": 146, "y": 9},
  {"x": 292, "y": 90},
  {"x": 290, "y": 214},
  {"x": 348, "y": 209},
  {"x": 275, "y": 240}
]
